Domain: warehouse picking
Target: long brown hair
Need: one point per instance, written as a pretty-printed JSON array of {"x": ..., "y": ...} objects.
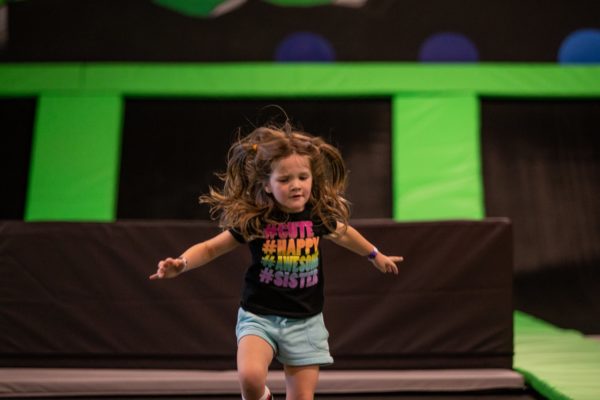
[{"x": 243, "y": 203}]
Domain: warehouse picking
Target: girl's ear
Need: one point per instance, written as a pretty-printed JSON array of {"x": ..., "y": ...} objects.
[{"x": 268, "y": 188}]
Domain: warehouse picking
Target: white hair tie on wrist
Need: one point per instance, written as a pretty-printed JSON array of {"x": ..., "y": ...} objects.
[
  {"x": 372, "y": 254},
  {"x": 185, "y": 263}
]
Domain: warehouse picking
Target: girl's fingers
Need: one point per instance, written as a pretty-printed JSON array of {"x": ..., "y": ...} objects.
[
  {"x": 389, "y": 264},
  {"x": 164, "y": 268},
  {"x": 391, "y": 268},
  {"x": 168, "y": 261},
  {"x": 157, "y": 275},
  {"x": 384, "y": 268},
  {"x": 160, "y": 272}
]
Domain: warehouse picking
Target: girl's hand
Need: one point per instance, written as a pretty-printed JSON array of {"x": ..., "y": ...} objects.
[
  {"x": 169, "y": 268},
  {"x": 387, "y": 264}
]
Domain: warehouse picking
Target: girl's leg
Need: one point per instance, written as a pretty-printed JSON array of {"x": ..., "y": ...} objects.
[
  {"x": 253, "y": 358},
  {"x": 301, "y": 382}
]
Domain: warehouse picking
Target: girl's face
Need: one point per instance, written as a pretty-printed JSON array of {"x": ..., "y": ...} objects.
[{"x": 290, "y": 183}]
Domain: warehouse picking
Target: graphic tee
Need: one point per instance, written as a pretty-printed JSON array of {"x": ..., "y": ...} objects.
[{"x": 286, "y": 275}]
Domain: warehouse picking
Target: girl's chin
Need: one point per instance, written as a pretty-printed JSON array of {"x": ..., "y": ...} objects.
[{"x": 292, "y": 208}]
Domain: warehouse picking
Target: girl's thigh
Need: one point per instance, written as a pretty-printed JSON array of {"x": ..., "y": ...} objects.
[
  {"x": 301, "y": 382},
  {"x": 254, "y": 355}
]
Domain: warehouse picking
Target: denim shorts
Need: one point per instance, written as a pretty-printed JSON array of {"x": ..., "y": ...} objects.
[{"x": 295, "y": 342}]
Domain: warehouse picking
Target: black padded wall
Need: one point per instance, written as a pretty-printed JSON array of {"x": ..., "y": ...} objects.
[
  {"x": 173, "y": 147},
  {"x": 83, "y": 297},
  {"x": 17, "y": 119},
  {"x": 541, "y": 163}
]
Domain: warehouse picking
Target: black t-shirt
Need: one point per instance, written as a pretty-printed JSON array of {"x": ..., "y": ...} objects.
[{"x": 286, "y": 274}]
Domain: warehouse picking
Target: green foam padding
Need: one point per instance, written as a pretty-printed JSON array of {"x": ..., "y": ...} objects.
[
  {"x": 436, "y": 158},
  {"x": 303, "y": 79},
  {"x": 190, "y": 8},
  {"x": 342, "y": 79},
  {"x": 75, "y": 158},
  {"x": 558, "y": 363},
  {"x": 33, "y": 79}
]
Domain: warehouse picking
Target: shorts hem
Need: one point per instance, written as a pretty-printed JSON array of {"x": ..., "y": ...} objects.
[{"x": 321, "y": 361}]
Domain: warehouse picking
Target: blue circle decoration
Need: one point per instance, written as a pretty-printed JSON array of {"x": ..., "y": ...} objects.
[
  {"x": 580, "y": 47},
  {"x": 448, "y": 47},
  {"x": 304, "y": 46}
]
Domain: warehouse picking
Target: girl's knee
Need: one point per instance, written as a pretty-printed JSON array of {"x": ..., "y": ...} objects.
[
  {"x": 249, "y": 376},
  {"x": 301, "y": 382},
  {"x": 252, "y": 380}
]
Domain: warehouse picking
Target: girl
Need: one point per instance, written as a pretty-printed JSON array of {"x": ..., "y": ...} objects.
[{"x": 283, "y": 192}]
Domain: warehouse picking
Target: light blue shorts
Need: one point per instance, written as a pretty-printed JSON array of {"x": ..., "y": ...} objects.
[{"x": 295, "y": 342}]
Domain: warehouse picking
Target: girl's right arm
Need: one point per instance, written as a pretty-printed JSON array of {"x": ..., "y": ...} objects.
[{"x": 196, "y": 256}]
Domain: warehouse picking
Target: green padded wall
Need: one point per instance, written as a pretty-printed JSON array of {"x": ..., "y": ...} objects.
[
  {"x": 436, "y": 157},
  {"x": 435, "y": 109},
  {"x": 75, "y": 158}
]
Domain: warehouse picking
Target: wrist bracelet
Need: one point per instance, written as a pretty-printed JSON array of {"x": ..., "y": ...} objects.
[
  {"x": 185, "y": 263},
  {"x": 373, "y": 254}
]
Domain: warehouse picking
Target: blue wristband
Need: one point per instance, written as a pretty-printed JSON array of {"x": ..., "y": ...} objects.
[{"x": 373, "y": 254}]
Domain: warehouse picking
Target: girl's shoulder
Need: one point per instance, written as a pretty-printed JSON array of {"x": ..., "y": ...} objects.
[{"x": 237, "y": 235}]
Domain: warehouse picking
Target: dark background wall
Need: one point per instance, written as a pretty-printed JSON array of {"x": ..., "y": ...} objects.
[
  {"x": 16, "y": 121},
  {"x": 381, "y": 30},
  {"x": 541, "y": 167},
  {"x": 173, "y": 147}
]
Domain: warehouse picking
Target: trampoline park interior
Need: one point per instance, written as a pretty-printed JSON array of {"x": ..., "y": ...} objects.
[{"x": 482, "y": 171}]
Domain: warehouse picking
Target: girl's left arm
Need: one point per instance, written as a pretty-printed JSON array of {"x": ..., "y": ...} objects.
[{"x": 348, "y": 237}]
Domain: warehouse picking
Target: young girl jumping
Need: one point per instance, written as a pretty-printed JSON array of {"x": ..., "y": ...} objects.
[{"x": 283, "y": 192}]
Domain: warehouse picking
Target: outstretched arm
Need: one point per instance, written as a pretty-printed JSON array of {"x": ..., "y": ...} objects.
[
  {"x": 350, "y": 238},
  {"x": 196, "y": 256}
]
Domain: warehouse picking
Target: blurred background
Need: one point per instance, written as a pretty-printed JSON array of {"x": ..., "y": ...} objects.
[{"x": 428, "y": 139}]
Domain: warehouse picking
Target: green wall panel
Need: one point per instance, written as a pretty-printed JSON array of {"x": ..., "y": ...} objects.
[
  {"x": 341, "y": 79},
  {"x": 436, "y": 157},
  {"x": 33, "y": 79},
  {"x": 436, "y": 166},
  {"x": 304, "y": 79},
  {"x": 75, "y": 159}
]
